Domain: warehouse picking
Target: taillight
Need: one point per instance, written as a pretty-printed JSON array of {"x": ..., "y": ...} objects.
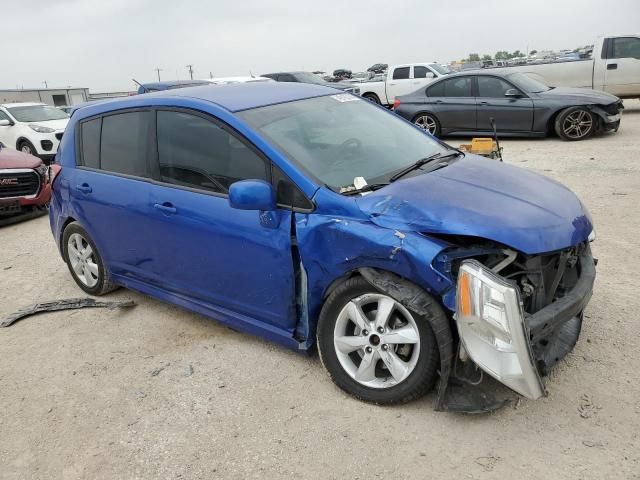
[
  {"x": 54, "y": 170},
  {"x": 396, "y": 104}
]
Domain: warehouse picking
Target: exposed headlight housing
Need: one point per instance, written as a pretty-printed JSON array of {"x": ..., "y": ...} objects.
[
  {"x": 492, "y": 330},
  {"x": 41, "y": 129}
]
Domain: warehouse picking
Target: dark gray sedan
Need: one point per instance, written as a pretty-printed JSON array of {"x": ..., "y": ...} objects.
[{"x": 464, "y": 103}]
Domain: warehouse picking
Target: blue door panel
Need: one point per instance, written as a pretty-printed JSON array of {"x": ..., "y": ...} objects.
[
  {"x": 211, "y": 252},
  {"x": 115, "y": 212}
]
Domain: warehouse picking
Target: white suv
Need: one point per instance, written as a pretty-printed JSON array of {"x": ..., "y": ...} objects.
[{"x": 33, "y": 128}]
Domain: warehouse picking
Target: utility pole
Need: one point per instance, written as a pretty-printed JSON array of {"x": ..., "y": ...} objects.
[
  {"x": 45, "y": 84},
  {"x": 158, "y": 70},
  {"x": 190, "y": 69}
]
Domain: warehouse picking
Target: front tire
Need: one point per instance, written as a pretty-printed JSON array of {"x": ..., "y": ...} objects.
[
  {"x": 84, "y": 261},
  {"x": 373, "y": 347},
  {"x": 27, "y": 147},
  {"x": 428, "y": 122},
  {"x": 575, "y": 123}
]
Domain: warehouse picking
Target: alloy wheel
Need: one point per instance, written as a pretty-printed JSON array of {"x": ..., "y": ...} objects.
[
  {"x": 377, "y": 341},
  {"x": 427, "y": 122},
  {"x": 83, "y": 260},
  {"x": 577, "y": 124}
]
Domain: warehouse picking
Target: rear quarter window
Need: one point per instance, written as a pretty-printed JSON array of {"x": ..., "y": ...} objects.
[{"x": 90, "y": 143}]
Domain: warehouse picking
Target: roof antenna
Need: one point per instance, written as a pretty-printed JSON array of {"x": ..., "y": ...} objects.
[
  {"x": 492, "y": 121},
  {"x": 139, "y": 84}
]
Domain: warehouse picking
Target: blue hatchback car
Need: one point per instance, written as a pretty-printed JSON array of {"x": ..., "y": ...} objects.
[{"x": 310, "y": 216}]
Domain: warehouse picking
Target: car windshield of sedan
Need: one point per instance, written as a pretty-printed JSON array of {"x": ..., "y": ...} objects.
[
  {"x": 37, "y": 113},
  {"x": 527, "y": 83},
  {"x": 306, "y": 77},
  {"x": 340, "y": 137}
]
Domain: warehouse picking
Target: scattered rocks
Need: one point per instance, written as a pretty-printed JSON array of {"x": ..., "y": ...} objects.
[
  {"x": 590, "y": 443},
  {"x": 587, "y": 408},
  {"x": 488, "y": 463}
]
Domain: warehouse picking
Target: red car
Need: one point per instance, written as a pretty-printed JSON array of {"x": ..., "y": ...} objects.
[{"x": 25, "y": 186}]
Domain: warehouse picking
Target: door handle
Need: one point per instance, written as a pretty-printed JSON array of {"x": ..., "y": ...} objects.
[
  {"x": 484, "y": 103},
  {"x": 165, "y": 207},
  {"x": 84, "y": 188},
  {"x": 612, "y": 66},
  {"x": 438, "y": 101}
]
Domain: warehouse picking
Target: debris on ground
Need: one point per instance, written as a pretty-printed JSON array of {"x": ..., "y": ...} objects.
[
  {"x": 487, "y": 463},
  {"x": 67, "y": 304},
  {"x": 587, "y": 408}
]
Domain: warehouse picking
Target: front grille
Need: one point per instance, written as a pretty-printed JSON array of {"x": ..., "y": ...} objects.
[
  {"x": 59, "y": 135},
  {"x": 18, "y": 183}
]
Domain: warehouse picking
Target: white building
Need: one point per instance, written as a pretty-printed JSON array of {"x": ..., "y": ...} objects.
[{"x": 57, "y": 97}]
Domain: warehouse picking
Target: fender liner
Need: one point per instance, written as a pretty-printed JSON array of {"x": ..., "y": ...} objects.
[{"x": 419, "y": 301}]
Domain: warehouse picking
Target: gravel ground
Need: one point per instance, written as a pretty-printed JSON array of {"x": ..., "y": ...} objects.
[{"x": 159, "y": 392}]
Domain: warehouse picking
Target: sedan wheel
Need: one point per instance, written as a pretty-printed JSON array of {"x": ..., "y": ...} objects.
[
  {"x": 428, "y": 123},
  {"x": 575, "y": 124}
]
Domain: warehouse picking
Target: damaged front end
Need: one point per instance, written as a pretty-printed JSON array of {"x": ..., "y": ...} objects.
[{"x": 516, "y": 315}]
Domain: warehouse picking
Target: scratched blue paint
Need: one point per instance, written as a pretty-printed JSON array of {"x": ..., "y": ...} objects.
[{"x": 239, "y": 266}]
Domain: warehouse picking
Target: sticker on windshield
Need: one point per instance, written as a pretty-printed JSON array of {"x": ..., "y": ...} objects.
[{"x": 344, "y": 97}]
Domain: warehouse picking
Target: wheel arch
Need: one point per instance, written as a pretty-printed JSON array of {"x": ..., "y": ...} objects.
[{"x": 22, "y": 139}]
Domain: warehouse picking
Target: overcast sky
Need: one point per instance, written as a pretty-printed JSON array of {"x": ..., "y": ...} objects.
[{"x": 102, "y": 44}]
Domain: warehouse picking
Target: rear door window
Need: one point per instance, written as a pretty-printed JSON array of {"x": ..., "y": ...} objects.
[
  {"x": 124, "y": 143},
  {"x": 196, "y": 152},
  {"x": 453, "y": 87},
  {"x": 401, "y": 73}
]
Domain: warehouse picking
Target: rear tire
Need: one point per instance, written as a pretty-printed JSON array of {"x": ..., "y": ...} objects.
[
  {"x": 575, "y": 123},
  {"x": 428, "y": 122},
  {"x": 84, "y": 261},
  {"x": 372, "y": 97},
  {"x": 391, "y": 358}
]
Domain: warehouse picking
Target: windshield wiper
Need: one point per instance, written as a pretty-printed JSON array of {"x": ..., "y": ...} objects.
[
  {"x": 367, "y": 188},
  {"x": 424, "y": 161}
]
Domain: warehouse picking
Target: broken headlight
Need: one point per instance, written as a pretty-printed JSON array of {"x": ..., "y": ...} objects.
[{"x": 492, "y": 330}]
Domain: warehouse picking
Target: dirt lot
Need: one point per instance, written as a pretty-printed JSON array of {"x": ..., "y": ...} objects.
[{"x": 158, "y": 392}]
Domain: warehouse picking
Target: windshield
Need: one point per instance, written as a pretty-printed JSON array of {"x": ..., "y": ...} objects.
[
  {"x": 527, "y": 83},
  {"x": 441, "y": 69},
  {"x": 37, "y": 113},
  {"x": 339, "y": 137},
  {"x": 306, "y": 77}
]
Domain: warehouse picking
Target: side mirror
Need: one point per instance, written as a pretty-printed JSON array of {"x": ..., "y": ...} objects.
[
  {"x": 430, "y": 75},
  {"x": 512, "y": 92},
  {"x": 252, "y": 195},
  {"x": 5, "y": 123}
]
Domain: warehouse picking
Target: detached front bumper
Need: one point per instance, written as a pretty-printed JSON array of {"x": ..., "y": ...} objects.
[{"x": 514, "y": 348}]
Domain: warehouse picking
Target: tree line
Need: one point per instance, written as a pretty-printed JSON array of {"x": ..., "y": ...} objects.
[{"x": 500, "y": 55}]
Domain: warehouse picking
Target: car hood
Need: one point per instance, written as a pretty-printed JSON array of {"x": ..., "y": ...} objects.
[
  {"x": 55, "y": 124},
  {"x": 483, "y": 198},
  {"x": 580, "y": 94},
  {"x": 10, "y": 158}
]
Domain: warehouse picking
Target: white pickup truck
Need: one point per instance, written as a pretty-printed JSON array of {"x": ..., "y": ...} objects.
[
  {"x": 614, "y": 67},
  {"x": 401, "y": 80}
]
